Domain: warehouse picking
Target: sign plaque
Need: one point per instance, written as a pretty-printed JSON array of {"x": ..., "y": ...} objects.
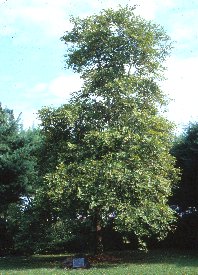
[{"x": 79, "y": 263}]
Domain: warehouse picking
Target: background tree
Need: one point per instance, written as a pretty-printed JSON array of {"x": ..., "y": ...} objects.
[
  {"x": 185, "y": 150},
  {"x": 113, "y": 159},
  {"x": 18, "y": 167},
  {"x": 185, "y": 195}
]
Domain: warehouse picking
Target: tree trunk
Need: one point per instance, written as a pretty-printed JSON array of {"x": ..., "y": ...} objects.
[{"x": 98, "y": 245}]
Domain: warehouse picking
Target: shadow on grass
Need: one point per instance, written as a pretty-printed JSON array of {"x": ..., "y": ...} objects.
[
  {"x": 187, "y": 258},
  {"x": 178, "y": 258},
  {"x": 31, "y": 262}
]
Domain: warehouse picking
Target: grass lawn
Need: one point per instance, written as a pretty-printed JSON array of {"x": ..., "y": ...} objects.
[{"x": 120, "y": 263}]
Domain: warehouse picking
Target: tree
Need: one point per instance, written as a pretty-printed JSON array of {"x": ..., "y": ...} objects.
[
  {"x": 185, "y": 194},
  {"x": 185, "y": 150},
  {"x": 113, "y": 160},
  {"x": 18, "y": 166},
  {"x": 17, "y": 161}
]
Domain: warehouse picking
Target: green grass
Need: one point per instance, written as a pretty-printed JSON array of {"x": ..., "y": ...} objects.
[{"x": 120, "y": 263}]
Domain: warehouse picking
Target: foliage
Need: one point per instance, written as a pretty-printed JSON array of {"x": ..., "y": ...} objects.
[
  {"x": 112, "y": 41},
  {"x": 185, "y": 196},
  {"x": 17, "y": 163},
  {"x": 112, "y": 144},
  {"x": 18, "y": 168},
  {"x": 34, "y": 231},
  {"x": 185, "y": 150}
]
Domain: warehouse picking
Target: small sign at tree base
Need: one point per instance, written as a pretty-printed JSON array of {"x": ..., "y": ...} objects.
[{"x": 80, "y": 263}]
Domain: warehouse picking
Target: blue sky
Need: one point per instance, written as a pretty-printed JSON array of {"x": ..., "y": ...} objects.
[{"x": 32, "y": 71}]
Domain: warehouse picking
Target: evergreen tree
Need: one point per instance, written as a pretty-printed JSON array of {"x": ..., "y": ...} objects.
[{"x": 18, "y": 170}]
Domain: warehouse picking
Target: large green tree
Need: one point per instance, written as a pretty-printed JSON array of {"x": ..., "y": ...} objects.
[{"x": 112, "y": 157}]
